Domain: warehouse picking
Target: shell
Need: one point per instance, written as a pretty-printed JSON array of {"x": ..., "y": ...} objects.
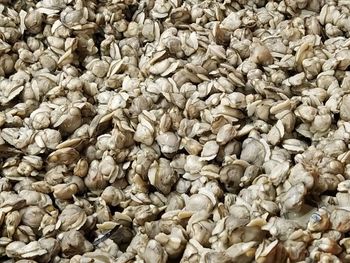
[{"x": 71, "y": 218}]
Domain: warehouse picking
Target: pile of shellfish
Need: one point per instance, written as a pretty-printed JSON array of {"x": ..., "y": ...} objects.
[{"x": 188, "y": 131}]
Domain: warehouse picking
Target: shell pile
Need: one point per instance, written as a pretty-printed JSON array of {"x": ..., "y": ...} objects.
[{"x": 186, "y": 131}]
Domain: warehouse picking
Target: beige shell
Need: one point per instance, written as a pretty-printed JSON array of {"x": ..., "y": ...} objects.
[
  {"x": 198, "y": 202},
  {"x": 210, "y": 149},
  {"x": 162, "y": 176},
  {"x": 64, "y": 156},
  {"x": 81, "y": 168},
  {"x": 319, "y": 221},
  {"x": 35, "y": 198},
  {"x": 192, "y": 146},
  {"x": 144, "y": 132},
  {"x": 260, "y": 54},
  {"x": 72, "y": 217},
  {"x": 344, "y": 111},
  {"x": 225, "y": 134},
  {"x": 253, "y": 151},
  {"x": 113, "y": 196},
  {"x": 174, "y": 243},
  {"x": 12, "y": 220},
  {"x": 338, "y": 219},
  {"x": 154, "y": 252},
  {"x": 168, "y": 142},
  {"x": 20, "y": 249},
  {"x": 64, "y": 191},
  {"x": 73, "y": 242}
]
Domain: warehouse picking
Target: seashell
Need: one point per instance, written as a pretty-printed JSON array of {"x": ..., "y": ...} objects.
[
  {"x": 199, "y": 202},
  {"x": 210, "y": 149},
  {"x": 100, "y": 255},
  {"x": 338, "y": 220},
  {"x": 253, "y": 151},
  {"x": 344, "y": 114},
  {"x": 174, "y": 243},
  {"x": 279, "y": 173},
  {"x": 345, "y": 242},
  {"x": 260, "y": 54},
  {"x": 226, "y": 133},
  {"x": 73, "y": 242},
  {"x": 71, "y": 218},
  {"x": 298, "y": 174},
  {"x": 20, "y": 249},
  {"x": 113, "y": 196},
  {"x": 231, "y": 22},
  {"x": 64, "y": 191},
  {"x": 270, "y": 251},
  {"x": 64, "y": 156},
  {"x": 328, "y": 245},
  {"x": 276, "y": 133},
  {"x": 81, "y": 168},
  {"x": 162, "y": 176},
  {"x": 232, "y": 174},
  {"x": 109, "y": 170},
  {"x": 144, "y": 132},
  {"x": 192, "y": 146},
  {"x": 154, "y": 252},
  {"x": 12, "y": 220},
  {"x": 34, "y": 198},
  {"x": 244, "y": 249},
  {"x": 306, "y": 113},
  {"x": 193, "y": 164},
  {"x": 33, "y": 21},
  {"x": 319, "y": 221},
  {"x": 169, "y": 142},
  {"x": 343, "y": 57},
  {"x": 294, "y": 145}
]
